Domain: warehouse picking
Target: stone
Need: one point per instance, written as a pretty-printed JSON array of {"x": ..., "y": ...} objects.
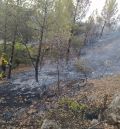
[
  {"x": 7, "y": 116},
  {"x": 113, "y": 112},
  {"x": 50, "y": 124},
  {"x": 94, "y": 121},
  {"x": 32, "y": 111}
]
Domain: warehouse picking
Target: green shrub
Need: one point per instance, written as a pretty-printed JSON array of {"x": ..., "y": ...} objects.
[
  {"x": 72, "y": 104},
  {"x": 20, "y": 55},
  {"x": 2, "y": 75},
  {"x": 76, "y": 108}
]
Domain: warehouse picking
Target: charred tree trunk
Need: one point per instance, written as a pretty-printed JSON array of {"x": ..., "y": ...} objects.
[
  {"x": 101, "y": 34},
  {"x": 68, "y": 49},
  {"x": 5, "y": 29},
  {"x": 13, "y": 43},
  {"x": 86, "y": 37},
  {"x": 58, "y": 78},
  {"x": 40, "y": 45},
  {"x": 12, "y": 54},
  {"x": 71, "y": 33},
  {"x": 39, "y": 55},
  {"x": 5, "y": 37},
  {"x": 36, "y": 73}
]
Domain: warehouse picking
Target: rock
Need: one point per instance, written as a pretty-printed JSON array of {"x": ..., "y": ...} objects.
[
  {"x": 113, "y": 112},
  {"x": 91, "y": 115},
  {"x": 94, "y": 121},
  {"x": 7, "y": 116},
  {"x": 41, "y": 114},
  {"x": 50, "y": 124},
  {"x": 32, "y": 111}
]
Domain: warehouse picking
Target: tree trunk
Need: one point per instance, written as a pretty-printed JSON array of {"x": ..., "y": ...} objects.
[
  {"x": 36, "y": 74},
  {"x": 13, "y": 43},
  {"x": 5, "y": 38},
  {"x": 71, "y": 34},
  {"x": 101, "y": 34},
  {"x": 39, "y": 55},
  {"x": 68, "y": 49},
  {"x": 40, "y": 45},
  {"x": 58, "y": 78},
  {"x": 11, "y": 60},
  {"x": 5, "y": 29},
  {"x": 12, "y": 54}
]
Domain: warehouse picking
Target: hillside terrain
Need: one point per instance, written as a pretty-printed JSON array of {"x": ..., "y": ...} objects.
[
  {"x": 21, "y": 101},
  {"x": 104, "y": 56}
]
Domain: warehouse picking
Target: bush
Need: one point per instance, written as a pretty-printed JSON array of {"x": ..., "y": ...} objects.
[
  {"x": 2, "y": 75},
  {"x": 20, "y": 55},
  {"x": 72, "y": 105}
]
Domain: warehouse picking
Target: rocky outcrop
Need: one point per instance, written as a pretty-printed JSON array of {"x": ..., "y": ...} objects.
[
  {"x": 50, "y": 124},
  {"x": 113, "y": 112}
]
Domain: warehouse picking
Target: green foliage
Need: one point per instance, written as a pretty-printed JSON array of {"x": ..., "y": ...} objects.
[
  {"x": 4, "y": 59},
  {"x": 2, "y": 75},
  {"x": 19, "y": 46},
  {"x": 109, "y": 11},
  {"x": 72, "y": 104},
  {"x": 78, "y": 109},
  {"x": 63, "y": 17},
  {"x": 21, "y": 55}
]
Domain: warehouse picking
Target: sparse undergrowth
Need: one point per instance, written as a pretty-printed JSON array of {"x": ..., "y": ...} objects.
[{"x": 80, "y": 111}]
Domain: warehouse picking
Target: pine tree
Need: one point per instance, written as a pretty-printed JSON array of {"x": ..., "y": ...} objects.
[{"x": 109, "y": 12}]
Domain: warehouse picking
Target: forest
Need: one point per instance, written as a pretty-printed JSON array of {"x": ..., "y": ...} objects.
[{"x": 59, "y": 64}]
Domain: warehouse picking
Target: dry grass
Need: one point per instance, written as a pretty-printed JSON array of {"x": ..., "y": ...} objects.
[
  {"x": 22, "y": 68},
  {"x": 92, "y": 94},
  {"x": 106, "y": 86}
]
